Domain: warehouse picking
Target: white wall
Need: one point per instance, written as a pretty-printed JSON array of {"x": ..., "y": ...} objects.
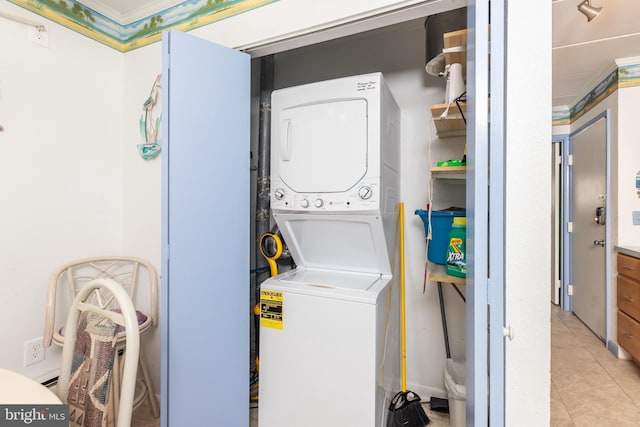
[
  {"x": 141, "y": 184},
  {"x": 61, "y": 170},
  {"x": 527, "y": 266},
  {"x": 628, "y": 164},
  {"x": 287, "y": 19}
]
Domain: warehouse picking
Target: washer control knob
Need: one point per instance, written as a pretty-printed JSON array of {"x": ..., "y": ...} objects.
[
  {"x": 365, "y": 192},
  {"x": 318, "y": 203},
  {"x": 279, "y": 193},
  {"x": 304, "y": 203}
]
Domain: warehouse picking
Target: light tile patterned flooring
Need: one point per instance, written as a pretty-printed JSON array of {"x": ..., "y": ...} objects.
[{"x": 589, "y": 386}]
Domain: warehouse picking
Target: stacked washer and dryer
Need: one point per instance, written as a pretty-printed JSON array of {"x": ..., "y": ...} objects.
[{"x": 329, "y": 340}]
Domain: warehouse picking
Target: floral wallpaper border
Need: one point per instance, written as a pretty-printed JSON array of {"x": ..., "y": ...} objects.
[{"x": 185, "y": 16}]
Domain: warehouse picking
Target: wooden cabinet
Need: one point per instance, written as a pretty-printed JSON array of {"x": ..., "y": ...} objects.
[{"x": 629, "y": 304}]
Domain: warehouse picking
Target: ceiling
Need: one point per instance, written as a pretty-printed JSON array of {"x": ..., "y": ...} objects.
[{"x": 583, "y": 52}]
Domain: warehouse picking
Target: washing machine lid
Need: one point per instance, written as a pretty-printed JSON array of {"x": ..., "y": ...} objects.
[
  {"x": 322, "y": 145},
  {"x": 331, "y": 279},
  {"x": 355, "y": 287},
  {"x": 348, "y": 286},
  {"x": 341, "y": 242}
]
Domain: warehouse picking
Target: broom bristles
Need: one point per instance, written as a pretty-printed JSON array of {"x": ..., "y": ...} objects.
[{"x": 405, "y": 410}]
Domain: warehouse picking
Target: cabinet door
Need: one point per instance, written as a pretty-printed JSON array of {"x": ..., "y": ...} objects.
[{"x": 205, "y": 233}]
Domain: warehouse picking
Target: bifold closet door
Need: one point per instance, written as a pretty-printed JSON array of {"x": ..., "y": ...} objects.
[{"x": 205, "y": 233}]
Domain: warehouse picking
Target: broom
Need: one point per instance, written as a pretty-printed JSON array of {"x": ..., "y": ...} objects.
[{"x": 405, "y": 409}]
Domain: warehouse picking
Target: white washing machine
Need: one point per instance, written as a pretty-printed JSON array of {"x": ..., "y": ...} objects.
[{"x": 329, "y": 342}]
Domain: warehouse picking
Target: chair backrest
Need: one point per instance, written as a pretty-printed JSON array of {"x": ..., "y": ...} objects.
[
  {"x": 133, "y": 274},
  {"x": 96, "y": 299}
]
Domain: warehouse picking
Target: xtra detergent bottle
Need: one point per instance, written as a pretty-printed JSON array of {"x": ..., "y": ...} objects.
[{"x": 456, "y": 260}]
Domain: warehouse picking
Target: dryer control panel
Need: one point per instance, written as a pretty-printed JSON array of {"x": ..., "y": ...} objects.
[{"x": 363, "y": 196}]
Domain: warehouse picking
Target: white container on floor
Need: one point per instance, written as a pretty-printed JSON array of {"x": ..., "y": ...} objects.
[{"x": 455, "y": 374}]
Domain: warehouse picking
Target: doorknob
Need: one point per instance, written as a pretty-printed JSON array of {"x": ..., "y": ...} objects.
[{"x": 599, "y": 242}]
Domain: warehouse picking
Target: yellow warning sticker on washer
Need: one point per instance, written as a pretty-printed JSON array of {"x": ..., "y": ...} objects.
[{"x": 271, "y": 309}]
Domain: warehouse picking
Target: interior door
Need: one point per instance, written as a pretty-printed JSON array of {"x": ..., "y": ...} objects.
[
  {"x": 205, "y": 233},
  {"x": 588, "y": 203}
]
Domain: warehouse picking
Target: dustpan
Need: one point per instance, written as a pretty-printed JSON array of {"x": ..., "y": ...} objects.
[{"x": 405, "y": 409}]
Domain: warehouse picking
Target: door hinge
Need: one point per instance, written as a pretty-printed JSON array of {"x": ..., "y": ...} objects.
[
  {"x": 570, "y": 159},
  {"x": 559, "y": 160},
  {"x": 570, "y": 290},
  {"x": 569, "y": 227}
]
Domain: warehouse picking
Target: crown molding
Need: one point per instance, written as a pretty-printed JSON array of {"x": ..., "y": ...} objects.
[{"x": 144, "y": 11}]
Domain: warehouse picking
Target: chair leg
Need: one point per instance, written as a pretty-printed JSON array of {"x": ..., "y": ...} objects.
[
  {"x": 116, "y": 381},
  {"x": 111, "y": 422},
  {"x": 110, "y": 416},
  {"x": 151, "y": 394}
]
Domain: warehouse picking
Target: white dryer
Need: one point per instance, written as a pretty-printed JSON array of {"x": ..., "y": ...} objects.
[{"x": 329, "y": 346}]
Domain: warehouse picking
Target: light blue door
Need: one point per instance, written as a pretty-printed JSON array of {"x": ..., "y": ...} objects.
[
  {"x": 205, "y": 233},
  {"x": 477, "y": 343}
]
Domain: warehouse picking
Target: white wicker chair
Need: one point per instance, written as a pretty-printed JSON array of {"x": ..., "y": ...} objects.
[
  {"x": 100, "y": 296},
  {"x": 133, "y": 275}
]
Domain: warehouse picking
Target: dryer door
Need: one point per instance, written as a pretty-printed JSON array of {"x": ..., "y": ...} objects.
[{"x": 323, "y": 146}]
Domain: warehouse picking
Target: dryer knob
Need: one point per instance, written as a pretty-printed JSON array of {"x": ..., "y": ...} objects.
[
  {"x": 304, "y": 203},
  {"x": 279, "y": 193},
  {"x": 365, "y": 192},
  {"x": 318, "y": 203}
]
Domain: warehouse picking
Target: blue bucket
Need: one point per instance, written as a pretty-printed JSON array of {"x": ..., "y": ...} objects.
[{"x": 441, "y": 222}]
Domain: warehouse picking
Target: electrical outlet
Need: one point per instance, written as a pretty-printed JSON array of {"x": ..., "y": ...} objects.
[
  {"x": 33, "y": 351},
  {"x": 39, "y": 35}
]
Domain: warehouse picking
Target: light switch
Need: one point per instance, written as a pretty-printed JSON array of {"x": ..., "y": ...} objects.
[{"x": 636, "y": 217}]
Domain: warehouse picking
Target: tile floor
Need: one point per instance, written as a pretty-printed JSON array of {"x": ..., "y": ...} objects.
[{"x": 589, "y": 386}]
